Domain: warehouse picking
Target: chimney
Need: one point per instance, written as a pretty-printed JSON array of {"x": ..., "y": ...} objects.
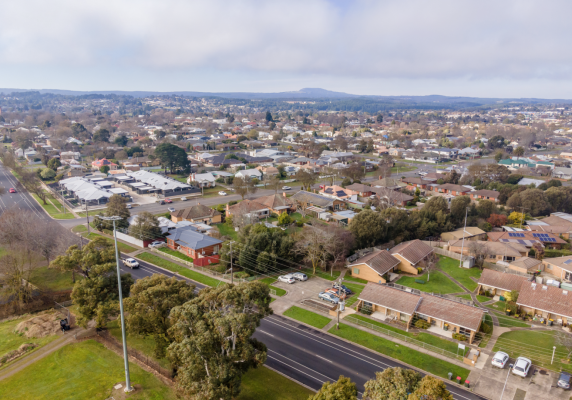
[
  {"x": 227, "y": 209},
  {"x": 380, "y": 177},
  {"x": 198, "y": 204},
  {"x": 283, "y": 194}
]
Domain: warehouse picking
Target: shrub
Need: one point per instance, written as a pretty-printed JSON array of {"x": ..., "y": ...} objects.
[
  {"x": 284, "y": 219},
  {"x": 422, "y": 324},
  {"x": 241, "y": 274},
  {"x": 419, "y": 269},
  {"x": 459, "y": 336},
  {"x": 299, "y": 224},
  {"x": 221, "y": 268},
  {"x": 486, "y": 328},
  {"x": 232, "y": 203}
]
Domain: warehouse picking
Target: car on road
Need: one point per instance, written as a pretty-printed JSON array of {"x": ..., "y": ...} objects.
[
  {"x": 499, "y": 359},
  {"x": 162, "y": 202},
  {"x": 128, "y": 206},
  {"x": 422, "y": 173},
  {"x": 131, "y": 263},
  {"x": 168, "y": 200},
  {"x": 345, "y": 289},
  {"x": 221, "y": 193},
  {"x": 564, "y": 380},
  {"x": 328, "y": 297},
  {"x": 286, "y": 188},
  {"x": 183, "y": 199},
  {"x": 286, "y": 278},
  {"x": 171, "y": 209},
  {"x": 521, "y": 367},
  {"x": 300, "y": 276},
  {"x": 156, "y": 243},
  {"x": 12, "y": 190}
]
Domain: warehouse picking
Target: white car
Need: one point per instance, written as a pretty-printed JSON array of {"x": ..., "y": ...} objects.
[
  {"x": 128, "y": 206},
  {"x": 300, "y": 276},
  {"x": 286, "y": 188},
  {"x": 183, "y": 199},
  {"x": 156, "y": 243},
  {"x": 222, "y": 193},
  {"x": 521, "y": 367},
  {"x": 131, "y": 263},
  {"x": 171, "y": 209},
  {"x": 328, "y": 297},
  {"x": 422, "y": 173},
  {"x": 373, "y": 196},
  {"x": 286, "y": 278},
  {"x": 499, "y": 359}
]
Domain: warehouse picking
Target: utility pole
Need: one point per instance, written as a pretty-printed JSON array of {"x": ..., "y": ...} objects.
[
  {"x": 87, "y": 216},
  {"x": 231, "y": 273},
  {"x": 522, "y": 219},
  {"x": 463, "y": 242},
  {"x": 63, "y": 201},
  {"x": 128, "y": 387},
  {"x": 341, "y": 303}
]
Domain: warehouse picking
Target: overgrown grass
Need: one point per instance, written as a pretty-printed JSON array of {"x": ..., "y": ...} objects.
[
  {"x": 176, "y": 253},
  {"x": 308, "y": 317},
  {"x": 84, "y": 370},
  {"x": 184, "y": 271},
  {"x": 52, "y": 279},
  {"x": 227, "y": 230},
  {"x": 269, "y": 281},
  {"x": 53, "y": 211},
  {"x": 438, "y": 283},
  {"x": 263, "y": 383},
  {"x": 403, "y": 353},
  {"x": 124, "y": 248},
  {"x": 462, "y": 275}
]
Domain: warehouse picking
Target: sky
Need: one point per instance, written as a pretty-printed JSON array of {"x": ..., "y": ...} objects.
[{"x": 414, "y": 47}]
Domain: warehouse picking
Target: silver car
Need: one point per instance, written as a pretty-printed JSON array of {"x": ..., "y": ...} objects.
[
  {"x": 499, "y": 359},
  {"x": 300, "y": 276},
  {"x": 286, "y": 278},
  {"x": 171, "y": 209},
  {"x": 328, "y": 297}
]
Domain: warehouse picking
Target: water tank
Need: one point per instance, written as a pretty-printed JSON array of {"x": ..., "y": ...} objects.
[
  {"x": 539, "y": 279},
  {"x": 446, "y": 247},
  {"x": 553, "y": 282},
  {"x": 566, "y": 286}
]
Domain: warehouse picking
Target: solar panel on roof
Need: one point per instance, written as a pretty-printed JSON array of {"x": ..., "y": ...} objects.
[
  {"x": 521, "y": 241},
  {"x": 516, "y": 234},
  {"x": 568, "y": 261}
]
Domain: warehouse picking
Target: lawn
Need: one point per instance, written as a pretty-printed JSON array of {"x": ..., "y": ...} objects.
[
  {"x": 227, "y": 230},
  {"x": 11, "y": 341},
  {"x": 422, "y": 336},
  {"x": 52, "y": 279},
  {"x": 176, "y": 253},
  {"x": 143, "y": 344},
  {"x": 84, "y": 370},
  {"x": 537, "y": 346},
  {"x": 357, "y": 291},
  {"x": 348, "y": 277},
  {"x": 480, "y": 298},
  {"x": 462, "y": 275},
  {"x": 308, "y": 317},
  {"x": 325, "y": 275},
  {"x": 415, "y": 358},
  {"x": 438, "y": 283},
  {"x": 269, "y": 282},
  {"x": 79, "y": 229},
  {"x": 53, "y": 211},
  {"x": 264, "y": 383},
  {"x": 505, "y": 320},
  {"x": 184, "y": 271},
  {"x": 124, "y": 248}
]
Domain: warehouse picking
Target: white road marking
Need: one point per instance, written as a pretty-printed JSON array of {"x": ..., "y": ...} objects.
[{"x": 269, "y": 334}]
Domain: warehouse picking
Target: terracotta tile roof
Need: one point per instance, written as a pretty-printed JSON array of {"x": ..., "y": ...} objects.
[
  {"x": 562, "y": 262},
  {"x": 557, "y": 229},
  {"x": 198, "y": 211},
  {"x": 380, "y": 261},
  {"x": 527, "y": 262},
  {"x": 413, "y": 251},
  {"x": 453, "y": 187},
  {"x": 385, "y": 296},
  {"x": 546, "y": 298},
  {"x": 500, "y": 280},
  {"x": 555, "y": 220},
  {"x": 359, "y": 187},
  {"x": 417, "y": 181},
  {"x": 486, "y": 193},
  {"x": 275, "y": 200},
  {"x": 246, "y": 206}
]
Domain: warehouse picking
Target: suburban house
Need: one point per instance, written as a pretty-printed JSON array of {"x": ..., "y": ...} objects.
[
  {"x": 450, "y": 188},
  {"x": 499, "y": 283},
  {"x": 495, "y": 251},
  {"x": 414, "y": 182},
  {"x": 263, "y": 206},
  {"x": 360, "y": 189},
  {"x": 412, "y": 255},
  {"x": 249, "y": 174},
  {"x": 561, "y": 267},
  {"x": 389, "y": 183},
  {"x": 526, "y": 265},
  {"x": 389, "y": 303},
  {"x": 528, "y": 238},
  {"x": 485, "y": 194},
  {"x": 469, "y": 233},
  {"x": 192, "y": 243},
  {"x": 198, "y": 214},
  {"x": 97, "y": 164},
  {"x": 268, "y": 170},
  {"x": 545, "y": 301},
  {"x": 202, "y": 180},
  {"x": 305, "y": 200},
  {"x": 336, "y": 192},
  {"x": 562, "y": 173},
  {"x": 392, "y": 197},
  {"x": 375, "y": 266}
]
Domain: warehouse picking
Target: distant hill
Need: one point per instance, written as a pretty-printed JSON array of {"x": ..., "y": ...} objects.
[{"x": 311, "y": 94}]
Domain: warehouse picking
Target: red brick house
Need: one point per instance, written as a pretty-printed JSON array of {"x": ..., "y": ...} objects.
[
  {"x": 97, "y": 164},
  {"x": 452, "y": 189},
  {"x": 485, "y": 194},
  {"x": 192, "y": 243}
]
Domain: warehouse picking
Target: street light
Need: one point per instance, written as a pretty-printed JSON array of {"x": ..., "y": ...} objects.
[
  {"x": 506, "y": 380},
  {"x": 128, "y": 387}
]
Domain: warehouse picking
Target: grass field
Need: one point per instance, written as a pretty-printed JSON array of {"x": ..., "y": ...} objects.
[
  {"x": 184, "y": 271},
  {"x": 308, "y": 317},
  {"x": 537, "y": 346},
  {"x": 324, "y": 275},
  {"x": 263, "y": 383},
  {"x": 227, "y": 230},
  {"x": 505, "y": 320},
  {"x": 422, "y": 336},
  {"x": 438, "y": 283},
  {"x": 350, "y": 278},
  {"x": 84, "y": 370},
  {"x": 124, "y": 248},
  {"x": 79, "y": 229},
  {"x": 403, "y": 353},
  {"x": 480, "y": 298},
  {"x": 11, "y": 341},
  {"x": 53, "y": 208},
  {"x": 279, "y": 292},
  {"x": 175, "y": 253},
  {"x": 462, "y": 275},
  {"x": 52, "y": 279}
]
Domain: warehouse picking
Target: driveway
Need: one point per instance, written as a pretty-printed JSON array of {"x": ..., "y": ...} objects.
[{"x": 298, "y": 292}]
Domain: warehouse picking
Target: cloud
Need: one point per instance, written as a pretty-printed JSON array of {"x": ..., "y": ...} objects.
[{"x": 415, "y": 39}]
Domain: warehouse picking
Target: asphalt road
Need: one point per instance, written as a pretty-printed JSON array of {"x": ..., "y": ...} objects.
[{"x": 21, "y": 199}]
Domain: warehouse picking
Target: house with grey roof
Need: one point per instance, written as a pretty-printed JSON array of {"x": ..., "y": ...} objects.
[{"x": 192, "y": 243}]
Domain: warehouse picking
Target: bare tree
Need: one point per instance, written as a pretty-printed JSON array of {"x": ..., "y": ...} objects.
[
  {"x": 339, "y": 246},
  {"x": 274, "y": 182},
  {"x": 431, "y": 263},
  {"x": 480, "y": 251},
  {"x": 313, "y": 246},
  {"x": 16, "y": 267},
  {"x": 32, "y": 183},
  {"x": 240, "y": 186},
  {"x": 307, "y": 178}
]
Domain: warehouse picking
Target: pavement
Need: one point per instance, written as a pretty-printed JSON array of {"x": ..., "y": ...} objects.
[{"x": 21, "y": 199}]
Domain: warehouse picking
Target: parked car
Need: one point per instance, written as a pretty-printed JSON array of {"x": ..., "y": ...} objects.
[
  {"x": 300, "y": 276},
  {"x": 344, "y": 288},
  {"x": 131, "y": 263},
  {"x": 286, "y": 278},
  {"x": 221, "y": 193},
  {"x": 286, "y": 188},
  {"x": 499, "y": 359},
  {"x": 328, "y": 297},
  {"x": 171, "y": 209},
  {"x": 335, "y": 292},
  {"x": 12, "y": 190},
  {"x": 183, "y": 199},
  {"x": 168, "y": 200},
  {"x": 162, "y": 202},
  {"x": 521, "y": 367},
  {"x": 128, "y": 206},
  {"x": 373, "y": 196},
  {"x": 422, "y": 173},
  {"x": 156, "y": 243},
  {"x": 564, "y": 380}
]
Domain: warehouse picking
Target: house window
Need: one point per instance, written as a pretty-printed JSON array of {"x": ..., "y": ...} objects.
[
  {"x": 356, "y": 271},
  {"x": 465, "y": 331},
  {"x": 549, "y": 266},
  {"x": 568, "y": 276}
]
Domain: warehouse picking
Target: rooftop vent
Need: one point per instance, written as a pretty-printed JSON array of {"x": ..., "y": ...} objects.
[
  {"x": 533, "y": 286},
  {"x": 544, "y": 287},
  {"x": 565, "y": 292}
]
